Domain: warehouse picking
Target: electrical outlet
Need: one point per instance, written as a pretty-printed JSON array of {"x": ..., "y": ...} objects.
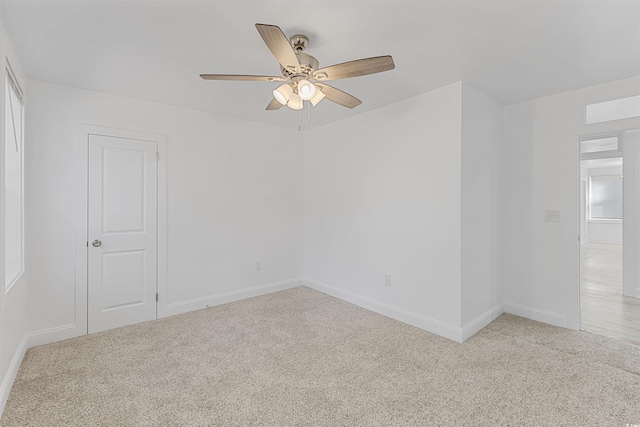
[
  {"x": 387, "y": 280},
  {"x": 258, "y": 266},
  {"x": 551, "y": 216}
]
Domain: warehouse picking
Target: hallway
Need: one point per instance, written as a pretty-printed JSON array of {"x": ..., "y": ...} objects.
[{"x": 604, "y": 310}]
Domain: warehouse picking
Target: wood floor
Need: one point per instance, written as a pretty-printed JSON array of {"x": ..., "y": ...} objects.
[{"x": 604, "y": 310}]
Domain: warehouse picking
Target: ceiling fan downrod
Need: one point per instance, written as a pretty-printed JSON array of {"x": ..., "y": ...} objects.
[{"x": 299, "y": 42}]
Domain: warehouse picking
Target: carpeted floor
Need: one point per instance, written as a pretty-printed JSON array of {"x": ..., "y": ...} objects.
[{"x": 302, "y": 358}]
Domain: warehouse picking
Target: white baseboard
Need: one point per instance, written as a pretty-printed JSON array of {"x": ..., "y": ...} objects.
[
  {"x": 227, "y": 297},
  {"x": 536, "y": 314},
  {"x": 47, "y": 336},
  {"x": 419, "y": 321},
  {"x": 635, "y": 293},
  {"x": 471, "y": 328},
  {"x": 12, "y": 372},
  {"x": 606, "y": 241},
  {"x": 61, "y": 333}
]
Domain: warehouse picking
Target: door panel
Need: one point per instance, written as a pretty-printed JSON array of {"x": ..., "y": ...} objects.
[
  {"x": 122, "y": 232},
  {"x": 123, "y": 279},
  {"x": 123, "y": 185}
]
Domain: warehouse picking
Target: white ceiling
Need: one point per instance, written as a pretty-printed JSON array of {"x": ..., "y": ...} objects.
[{"x": 154, "y": 50}]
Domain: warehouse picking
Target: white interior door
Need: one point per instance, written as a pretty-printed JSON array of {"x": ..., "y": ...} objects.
[{"x": 122, "y": 232}]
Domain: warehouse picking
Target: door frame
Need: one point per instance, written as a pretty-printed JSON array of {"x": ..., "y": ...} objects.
[
  {"x": 577, "y": 291},
  {"x": 631, "y": 269},
  {"x": 82, "y": 211},
  {"x": 629, "y": 273}
]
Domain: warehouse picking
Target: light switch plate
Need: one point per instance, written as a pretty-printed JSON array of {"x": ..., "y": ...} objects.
[{"x": 551, "y": 216}]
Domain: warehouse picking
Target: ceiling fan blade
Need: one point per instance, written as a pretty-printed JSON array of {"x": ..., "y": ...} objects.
[
  {"x": 274, "y": 105},
  {"x": 279, "y": 45},
  {"x": 360, "y": 67},
  {"x": 338, "y": 96},
  {"x": 239, "y": 77}
]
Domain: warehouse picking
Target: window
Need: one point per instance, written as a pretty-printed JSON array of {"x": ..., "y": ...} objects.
[
  {"x": 600, "y": 145},
  {"x": 617, "y": 109},
  {"x": 605, "y": 198},
  {"x": 13, "y": 182}
]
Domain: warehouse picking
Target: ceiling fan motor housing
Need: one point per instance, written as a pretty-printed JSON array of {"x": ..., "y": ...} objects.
[{"x": 308, "y": 64}]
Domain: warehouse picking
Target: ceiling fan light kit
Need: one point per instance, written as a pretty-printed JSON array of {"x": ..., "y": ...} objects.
[
  {"x": 295, "y": 102},
  {"x": 319, "y": 96},
  {"x": 283, "y": 93},
  {"x": 301, "y": 72},
  {"x": 306, "y": 89}
]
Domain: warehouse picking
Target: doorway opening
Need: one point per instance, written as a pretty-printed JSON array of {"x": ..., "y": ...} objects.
[{"x": 609, "y": 303}]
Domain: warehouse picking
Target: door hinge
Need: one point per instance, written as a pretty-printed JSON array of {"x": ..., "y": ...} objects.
[
  {"x": 156, "y": 297},
  {"x": 157, "y": 155},
  {"x": 87, "y": 243}
]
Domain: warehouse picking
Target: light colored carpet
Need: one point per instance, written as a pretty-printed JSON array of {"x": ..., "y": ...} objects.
[{"x": 302, "y": 358}]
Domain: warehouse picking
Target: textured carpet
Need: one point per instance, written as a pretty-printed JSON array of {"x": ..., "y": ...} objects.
[{"x": 302, "y": 358}]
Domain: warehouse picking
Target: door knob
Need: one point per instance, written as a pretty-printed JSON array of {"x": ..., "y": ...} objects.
[{"x": 96, "y": 243}]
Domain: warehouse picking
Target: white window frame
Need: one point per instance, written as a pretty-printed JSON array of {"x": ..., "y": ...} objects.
[
  {"x": 12, "y": 83},
  {"x": 598, "y": 219}
]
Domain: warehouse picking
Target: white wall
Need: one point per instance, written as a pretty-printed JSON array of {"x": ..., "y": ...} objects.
[
  {"x": 234, "y": 199},
  {"x": 13, "y": 304},
  {"x": 409, "y": 190},
  {"x": 605, "y": 232},
  {"x": 384, "y": 194},
  {"x": 481, "y": 133},
  {"x": 382, "y": 197},
  {"x": 539, "y": 171}
]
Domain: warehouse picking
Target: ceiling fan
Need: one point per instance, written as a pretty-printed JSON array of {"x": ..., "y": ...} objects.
[{"x": 303, "y": 80}]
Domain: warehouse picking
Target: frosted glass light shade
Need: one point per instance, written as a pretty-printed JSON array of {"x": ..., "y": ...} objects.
[
  {"x": 283, "y": 93},
  {"x": 317, "y": 98},
  {"x": 295, "y": 102},
  {"x": 306, "y": 90}
]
